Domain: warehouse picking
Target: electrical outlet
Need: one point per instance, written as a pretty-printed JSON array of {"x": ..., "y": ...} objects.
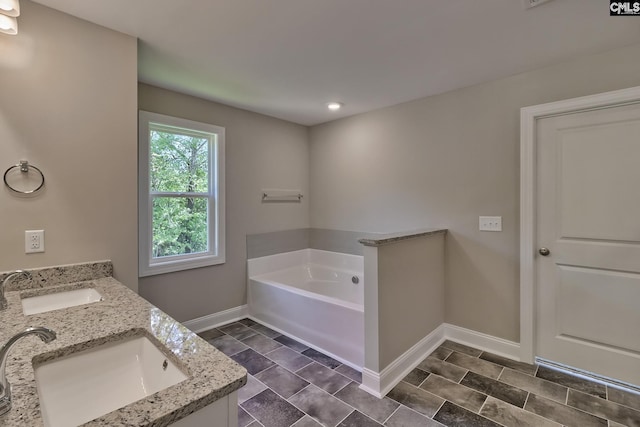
[
  {"x": 33, "y": 241},
  {"x": 490, "y": 223}
]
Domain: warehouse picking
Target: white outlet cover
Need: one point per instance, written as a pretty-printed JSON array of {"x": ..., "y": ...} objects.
[{"x": 33, "y": 241}]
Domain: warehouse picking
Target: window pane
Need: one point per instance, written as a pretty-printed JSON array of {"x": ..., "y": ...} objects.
[
  {"x": 179, "y": 226},
  {"x": 179, "y": 162}
]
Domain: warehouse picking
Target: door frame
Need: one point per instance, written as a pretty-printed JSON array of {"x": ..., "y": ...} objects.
[{"x": 528, "y": 149}]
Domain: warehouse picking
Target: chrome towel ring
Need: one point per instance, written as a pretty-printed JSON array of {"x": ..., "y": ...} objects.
[{"x": 24, "y": 167}]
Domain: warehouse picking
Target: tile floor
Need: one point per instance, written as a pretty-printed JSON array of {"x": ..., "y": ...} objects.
[{"x": 290, "y": 384}]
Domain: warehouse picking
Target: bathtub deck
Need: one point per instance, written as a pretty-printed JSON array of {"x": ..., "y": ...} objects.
[{"x": 292, "y": 385}]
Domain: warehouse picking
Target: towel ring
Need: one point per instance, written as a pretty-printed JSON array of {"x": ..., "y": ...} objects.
[{"x": 24, "y": 167}]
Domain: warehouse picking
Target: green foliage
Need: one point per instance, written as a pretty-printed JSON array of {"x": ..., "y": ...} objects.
[{"x": 179, "y": 164}]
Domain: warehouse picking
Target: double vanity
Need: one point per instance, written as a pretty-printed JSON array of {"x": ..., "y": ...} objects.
[{"x": 116, "y": 360}]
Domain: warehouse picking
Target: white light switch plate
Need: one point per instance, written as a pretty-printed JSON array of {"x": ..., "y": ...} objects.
[{"x": 490, "y": 223}]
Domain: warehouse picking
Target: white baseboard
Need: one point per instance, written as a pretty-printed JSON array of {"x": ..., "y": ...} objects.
[
  {"x": 371, "y": 383},
  {"x": 379, "y": 384},
  {"x": 217, "y": 319},
  {"x": 499, "y": 346}
]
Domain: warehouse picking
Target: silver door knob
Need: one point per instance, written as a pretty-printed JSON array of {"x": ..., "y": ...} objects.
[{"x": 544, "y": 251}]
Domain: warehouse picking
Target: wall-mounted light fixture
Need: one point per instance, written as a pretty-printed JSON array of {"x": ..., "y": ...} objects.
[
  {"x": 10, "y": 7},
  {"x": 8, "y": 25},
  {"x": 9, "y": 10}
]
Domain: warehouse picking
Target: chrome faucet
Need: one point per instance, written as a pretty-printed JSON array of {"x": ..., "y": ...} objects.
[
  {"x": 45, "y": 334},
  {"x": 3, "y": 300}
]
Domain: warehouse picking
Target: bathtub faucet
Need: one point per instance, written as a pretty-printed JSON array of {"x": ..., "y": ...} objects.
[
  {"x": 45, "y": 334},
  {"x": 3, "y": 300}
]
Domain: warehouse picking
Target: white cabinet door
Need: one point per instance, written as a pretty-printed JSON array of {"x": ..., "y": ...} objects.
[
  {"x": 588, "y": 217},
  {"x": 221, "y": 413}
]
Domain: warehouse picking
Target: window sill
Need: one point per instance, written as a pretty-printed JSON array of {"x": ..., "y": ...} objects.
[{"x": 171, "y": 266}]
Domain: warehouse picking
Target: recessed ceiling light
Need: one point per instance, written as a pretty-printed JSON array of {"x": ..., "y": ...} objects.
[{"x": 334, "y": 106}]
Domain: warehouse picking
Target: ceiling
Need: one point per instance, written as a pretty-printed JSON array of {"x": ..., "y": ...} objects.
[{"x": 288, "y": 58}]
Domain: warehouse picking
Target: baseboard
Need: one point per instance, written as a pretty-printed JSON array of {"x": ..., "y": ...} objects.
[
  {"x": 379, "y": 384},
  {"x": 499, "y": 346},
  {"x": 371, "y": 383},
  {"x": 217, "y": 319}
]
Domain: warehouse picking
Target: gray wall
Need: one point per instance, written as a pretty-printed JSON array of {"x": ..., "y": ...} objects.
[
  {"x": 444, "y": 160},
  {"x": 276, "y": 242},
  {"x": 410, "y": 293},
  {"x": 261, "y": 152},
  {"x": 342, "y": 241},
  {"x": 68, "y": 105},
  {"x": 403, "y": 296}
]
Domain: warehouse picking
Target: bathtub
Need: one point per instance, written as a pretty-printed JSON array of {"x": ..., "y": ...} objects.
[{"x": 310, "y": 295}]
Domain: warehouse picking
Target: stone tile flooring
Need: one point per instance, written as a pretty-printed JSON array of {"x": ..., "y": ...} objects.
[{"x": 290, "y": 384}]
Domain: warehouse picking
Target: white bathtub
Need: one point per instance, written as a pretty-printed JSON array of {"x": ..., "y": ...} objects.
[{"x": 309, "y": 295}]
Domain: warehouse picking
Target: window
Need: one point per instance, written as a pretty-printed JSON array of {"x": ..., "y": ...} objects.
[{"x": 181, "y": 194}]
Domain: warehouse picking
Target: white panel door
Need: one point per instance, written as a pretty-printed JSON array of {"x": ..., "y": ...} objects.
[{"x": 588, "y": 217}]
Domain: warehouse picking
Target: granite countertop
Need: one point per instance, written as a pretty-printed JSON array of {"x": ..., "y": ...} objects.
[
  {"x": 122, "y": 313},
  {"x": 385, "y": 239}
]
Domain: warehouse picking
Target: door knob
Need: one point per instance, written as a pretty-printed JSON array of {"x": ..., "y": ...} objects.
[{"x": 544, "y": 251}]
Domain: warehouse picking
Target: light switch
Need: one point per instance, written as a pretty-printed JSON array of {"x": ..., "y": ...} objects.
[{"x": 490, "y": 223}]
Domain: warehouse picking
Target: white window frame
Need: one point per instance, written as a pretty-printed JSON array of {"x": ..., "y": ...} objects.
[{"x": 147, "y": 265}]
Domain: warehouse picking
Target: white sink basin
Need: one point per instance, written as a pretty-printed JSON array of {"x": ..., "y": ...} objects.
[
  {"x": 86, "y": 385},
  {"x": 56, "y": 301}
]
